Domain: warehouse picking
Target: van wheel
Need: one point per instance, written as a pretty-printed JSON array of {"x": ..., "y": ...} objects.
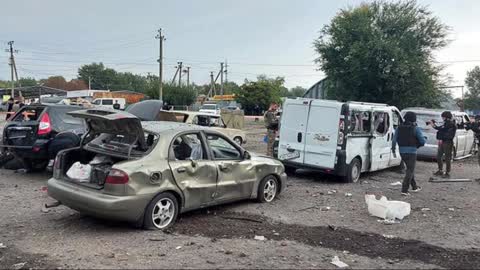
[
  {"x": 354, "y": 170},
  {"x": 161, "y": 213}
]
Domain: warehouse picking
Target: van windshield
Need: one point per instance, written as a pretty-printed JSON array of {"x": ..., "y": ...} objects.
[
  {"x": 209, "y": 107},
  {"x": 423, "y": 119}
]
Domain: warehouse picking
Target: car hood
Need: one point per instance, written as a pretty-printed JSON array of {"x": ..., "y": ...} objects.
[{"x": 112, "y": 122}]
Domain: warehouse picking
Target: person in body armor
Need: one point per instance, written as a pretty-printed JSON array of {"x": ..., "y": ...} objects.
[
  {"x": 409, "y": 138},
  {"x": 475, "y": 127},
  {"x": 271, "y": 123},
  {"x": 445, "y": 135}
]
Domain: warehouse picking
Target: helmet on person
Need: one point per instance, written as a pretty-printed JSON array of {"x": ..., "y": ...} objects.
[
  {"x": 447, "y": 114},
  {"x": 410, "y": 117}
]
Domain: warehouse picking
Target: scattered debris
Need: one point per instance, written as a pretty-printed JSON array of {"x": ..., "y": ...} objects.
[
  {"x": 336, "y": 261},
  {"x": 243, "y": 218},
  {"x": 388, "y": 221},
  {"x": 242, "y": 255},
  {"x": 388, "y": 236},
  {"x": 276, "y": 234},
  {"x": 228, "y": 252},
  {"x": 451, "y": 180},
  {"x": 45, "y": 210},
  {"x": 398, "y": 183},
  {"x": 179, "y": 247},
  {"x": 326, "y": 208},
  {"x": 2, "y": 245},
  {"x": 425, "y": 209},
  {"x": 156, "y": 239},
  {"x": 18, "y": 266},
  {"x": 330, "y": 192},
  {"x": 451, "y": 209},
  {"x": 283, "y": 244},
  {"x": 307, "y": 208},
  {"x": 332, "y": 227},
  {"x": 210, "y": 262},
  {"x": 348, "y": 194},
  {"x": 260, "y": 238},
  {"x": 386, "y": 209}
]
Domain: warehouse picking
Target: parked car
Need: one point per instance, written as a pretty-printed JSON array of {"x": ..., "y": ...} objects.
[
  {"x": 37, "y": 131},
  {"x": 149, "y": 172},
  {"x": 213, "y": 121},
  {"x": 110, "y": 103},
  {"x": 341, "y": 138},
  {"x": 212, "y": 108},
  {"x": 463, "y": 143}
]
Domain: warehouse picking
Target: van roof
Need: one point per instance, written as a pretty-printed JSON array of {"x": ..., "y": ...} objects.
[{"x": 348, "y": 102}]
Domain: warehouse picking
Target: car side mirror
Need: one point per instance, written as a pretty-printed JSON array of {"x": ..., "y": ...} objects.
[{"x": 246, "y": 155}]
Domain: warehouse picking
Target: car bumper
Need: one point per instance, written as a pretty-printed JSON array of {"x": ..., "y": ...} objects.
[
  {"x": 96, "y": 203},
  {"x": 283, "y": 182},
  {"x": 39, "y": 150}
]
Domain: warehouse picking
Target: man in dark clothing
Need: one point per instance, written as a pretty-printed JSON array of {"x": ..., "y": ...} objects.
[
  {"x": 271, "y": 123},
  {"x": 409, "y": 137},
  {"x": 445, "y": 135},
  {"x": 475, "y": 127}
]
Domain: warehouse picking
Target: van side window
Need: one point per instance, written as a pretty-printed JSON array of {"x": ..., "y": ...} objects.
[
  {"x": 360, "y": 122},
  {"x": 381, "y": 122}
]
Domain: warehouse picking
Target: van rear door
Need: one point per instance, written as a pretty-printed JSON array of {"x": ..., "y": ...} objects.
[
  {"x": 292, "y": 130},
  {"x": 322, "y": 134}
]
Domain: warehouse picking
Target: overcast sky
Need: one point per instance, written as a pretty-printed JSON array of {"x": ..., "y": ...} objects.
[{"x": 272, "y": 37}]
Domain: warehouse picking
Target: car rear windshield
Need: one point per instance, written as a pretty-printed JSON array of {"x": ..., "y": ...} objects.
[
  {"x": 28, "y": 114},
  {"x": 122, "y": 145}
]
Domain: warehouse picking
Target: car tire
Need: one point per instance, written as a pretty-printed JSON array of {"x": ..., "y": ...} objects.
[
  {"x": 268, "y": 189},
  {"x": 163, "y": 206},
  {"x": 34, "y": 165},
  {"x": 238, "y": 140},
  {"x": 353, "y": 171}
]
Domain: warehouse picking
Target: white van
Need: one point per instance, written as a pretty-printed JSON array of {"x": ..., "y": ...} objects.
[
  {"x": 463, "y": 143},
  {"x": 109, "y": 103},
  {"x": 340, "y": 138},
  {"x": 212, "y": 108}
]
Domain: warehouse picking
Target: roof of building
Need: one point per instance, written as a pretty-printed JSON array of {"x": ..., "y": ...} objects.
[{"x": 33, "y": 91}]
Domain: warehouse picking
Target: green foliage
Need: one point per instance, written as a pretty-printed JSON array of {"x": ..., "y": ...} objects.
[
  {"x": 261, "y": 92},
  {"x": 472, "y": 97},
  {"x": 382, "y": 52},
  {"x": 294, "y": 92},
  {"x": 5, "y": 84},
  {"x": 27, "y": 81},
  {"x": 172, "y": 94}
]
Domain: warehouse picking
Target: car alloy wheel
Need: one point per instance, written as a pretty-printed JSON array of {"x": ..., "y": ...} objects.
[
  {"x": 163, "y": 213},
  {"x": 270, "y": 190}
]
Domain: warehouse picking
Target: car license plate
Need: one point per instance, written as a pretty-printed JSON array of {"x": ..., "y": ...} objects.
[{"x": 290, "y": 155}]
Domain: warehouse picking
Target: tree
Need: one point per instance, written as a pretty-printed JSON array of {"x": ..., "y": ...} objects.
[
  {"x": 58, "y": 82},
  {"x": 27, "y": 81},
  {"x": 172, "y": 94},
  {"x": 296, "y": 91},
  {"x": 472, "y": 97},
  {"x": 99, "y": 76},
  {"x": 382, "y": 52},
  {"x": 261, "y": 92},
  {"x": 76, "y": 84}
]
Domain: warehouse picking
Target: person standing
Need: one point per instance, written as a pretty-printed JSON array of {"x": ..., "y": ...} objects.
[
  {"x": 445, "y": 135},
  {"x": 271, "y": 123},
  {"x": 409, "y": 137},
  {"x": 475, "y": 127}
]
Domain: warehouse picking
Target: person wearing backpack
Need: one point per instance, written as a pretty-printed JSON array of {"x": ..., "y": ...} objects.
[{"x": 409, "y": 138}]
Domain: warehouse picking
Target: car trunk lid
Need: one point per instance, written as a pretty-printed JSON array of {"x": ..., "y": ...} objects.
[{"x": 22, "y": 130}]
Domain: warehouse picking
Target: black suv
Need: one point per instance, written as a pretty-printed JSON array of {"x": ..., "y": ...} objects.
[{"x": 38, "y": 131}]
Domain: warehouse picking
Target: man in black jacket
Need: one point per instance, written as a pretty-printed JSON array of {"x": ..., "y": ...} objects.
[{"x": 445, "y": 135}]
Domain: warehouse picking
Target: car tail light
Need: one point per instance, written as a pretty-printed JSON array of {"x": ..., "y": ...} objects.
[
  {"x": 117, "y": 177},
  {"x": 45, "y": 125},
  {"x": 341, "y": 129}
]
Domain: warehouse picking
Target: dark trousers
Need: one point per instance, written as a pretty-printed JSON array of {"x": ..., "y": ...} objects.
[
  {"x": 410, "y": 161},
  {"x": 445, "y": 149}
]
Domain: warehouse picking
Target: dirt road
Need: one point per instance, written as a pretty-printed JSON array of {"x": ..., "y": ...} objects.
[{"x": 309, "y": 224}]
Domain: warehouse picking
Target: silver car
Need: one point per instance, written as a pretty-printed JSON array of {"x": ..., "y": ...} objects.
[{"x": 463, "y": 141}]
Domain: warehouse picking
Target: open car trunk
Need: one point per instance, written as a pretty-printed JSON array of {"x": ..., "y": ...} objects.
[{"x": 112, "y": 137}]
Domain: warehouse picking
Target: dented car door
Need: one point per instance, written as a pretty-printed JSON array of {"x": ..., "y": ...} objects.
[
  {"x": 194, "y": 173},
  {"x": 236, "y": 175}
]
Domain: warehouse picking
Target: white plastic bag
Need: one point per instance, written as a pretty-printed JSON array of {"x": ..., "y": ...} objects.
[
  {"x": 386, "y": 209},
  {"x": 80, "y": 172}
]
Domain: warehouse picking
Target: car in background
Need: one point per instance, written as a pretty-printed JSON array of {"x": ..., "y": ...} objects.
[
  {"x": 463, "y": 143},
  {"x": 150, "y": 172},
  {"x": 35, "y": 132},
  {"x": 110, "y": 103},
  {"x": 211, "y": 108},
  {"x": 213, "y": 121}
]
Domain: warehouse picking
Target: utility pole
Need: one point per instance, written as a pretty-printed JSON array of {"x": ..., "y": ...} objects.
[
  {"x": 226, "y": 71},
  {"x": 188, "y": 76},
  {"x": 221, "y": 78},
  {"x": 12, "y": 66},
  {"x": 175, "y": 76},
  {"x": 89, "y": 83},
  {"x": 180, "y": 68},
  {"x": 212, "y": 85},
  {"x": 161, "y": 39}
]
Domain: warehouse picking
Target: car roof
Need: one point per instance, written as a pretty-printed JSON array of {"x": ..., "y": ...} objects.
[{"x": 169, "y": 127}]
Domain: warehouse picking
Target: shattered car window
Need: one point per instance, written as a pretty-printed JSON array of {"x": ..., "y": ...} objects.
[
  {"x": 223, "y": 149},
  {"x": 122, "y": 144},
  {"x": 188, "y": 146},
  {"x": 28, "y": 114}
]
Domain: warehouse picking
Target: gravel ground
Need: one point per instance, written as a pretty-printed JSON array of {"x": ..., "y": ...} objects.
[{"x": 300, "y": 231}]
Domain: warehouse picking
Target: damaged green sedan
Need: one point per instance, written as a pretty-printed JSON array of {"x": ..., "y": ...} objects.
[{"x": 149, "y": 172}]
